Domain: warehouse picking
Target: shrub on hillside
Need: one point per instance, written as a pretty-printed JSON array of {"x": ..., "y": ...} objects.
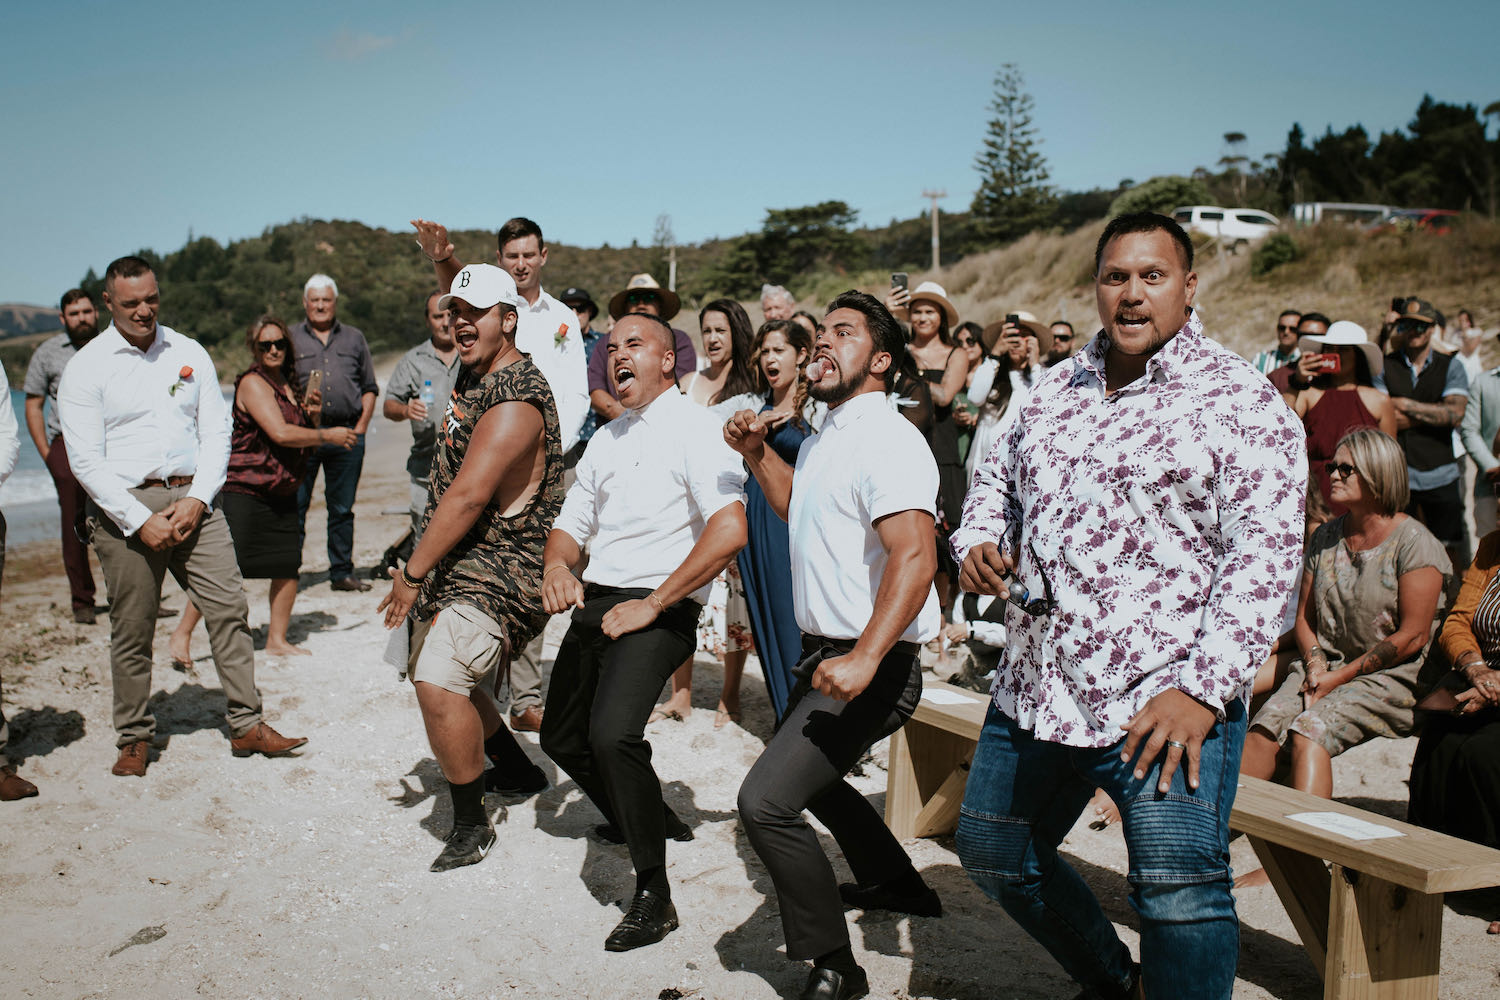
[
  {"x": 1277, "y": 249},
  {"x": 1160, "y": 194}
]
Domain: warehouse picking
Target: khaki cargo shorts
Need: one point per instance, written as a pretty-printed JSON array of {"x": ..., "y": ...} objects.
[{"x": 458, "y": 649}]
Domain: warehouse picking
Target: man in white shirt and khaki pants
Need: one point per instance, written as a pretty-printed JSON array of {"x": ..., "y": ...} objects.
[
  {"x": 861, "y": 522},
  {"x": 659, "y": 500},
  {"x": 148, "y": 438}
]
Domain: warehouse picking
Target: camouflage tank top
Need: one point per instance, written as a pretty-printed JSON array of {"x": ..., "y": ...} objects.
[{"x": 497, "y": 565}]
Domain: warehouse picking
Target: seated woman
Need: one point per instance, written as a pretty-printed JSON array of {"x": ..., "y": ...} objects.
[
  {"x": 1455, "y": 776},
  {"x": 1371, "y": 584}
]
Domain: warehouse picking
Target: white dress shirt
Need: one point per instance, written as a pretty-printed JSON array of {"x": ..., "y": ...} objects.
[
  {"x": 124, "y": 422},
  {"x": 548, "y": 331},
  {"x": 868, "y": 461},
  {"x": 647, "y": 486},
  {"x": 10, "y": 438}
]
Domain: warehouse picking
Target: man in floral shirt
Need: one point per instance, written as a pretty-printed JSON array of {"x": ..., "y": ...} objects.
[{"x": 1150, "y": 498}]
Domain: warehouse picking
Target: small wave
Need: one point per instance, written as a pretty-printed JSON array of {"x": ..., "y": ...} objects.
[{"x": 27, "y": 486}]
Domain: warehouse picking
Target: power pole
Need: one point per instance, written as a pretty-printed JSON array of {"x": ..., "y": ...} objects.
[
  {"x": 672, "y": 268},
  {"x": 934, "y": 195}
]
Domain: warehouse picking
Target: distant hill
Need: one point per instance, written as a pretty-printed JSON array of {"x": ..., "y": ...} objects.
[{"x": 17, "y": 320}]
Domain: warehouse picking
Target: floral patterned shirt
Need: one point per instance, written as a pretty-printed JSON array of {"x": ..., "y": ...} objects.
[{"x": 1166, "y": 516}]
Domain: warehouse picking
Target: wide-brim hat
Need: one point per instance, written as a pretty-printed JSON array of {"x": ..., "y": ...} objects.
[
  {"x": 931, "y": 291},
  {"x": 574, "y": 295},
  {"x": 482, "y": 286},
  {"x": 1344, "y": 333},
  {"x": 1043, "y": 333},
  {"x": 670, "y": 303}
]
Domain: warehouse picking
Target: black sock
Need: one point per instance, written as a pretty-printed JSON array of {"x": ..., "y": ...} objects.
[
  {"x": 505, "y": 753},
  {"x": 909, "y": 883},
  {"x": 840, "y": 960},
  {"x": 654, "y": 880},
  {"x": 468, "y": 802}
]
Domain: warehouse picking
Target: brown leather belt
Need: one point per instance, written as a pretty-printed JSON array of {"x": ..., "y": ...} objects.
[{"x": 169, "y": 481}]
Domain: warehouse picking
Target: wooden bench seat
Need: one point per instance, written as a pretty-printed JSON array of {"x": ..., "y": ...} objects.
[{"x": 1369, "y": 912}]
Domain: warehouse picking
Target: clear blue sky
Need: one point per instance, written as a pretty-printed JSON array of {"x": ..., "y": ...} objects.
[{"x": 129, "y": 125}]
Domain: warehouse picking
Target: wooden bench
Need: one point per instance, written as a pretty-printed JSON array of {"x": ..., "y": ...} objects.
[
  {"x": 1369, "y": 912},
  {"x": 1371, "y": 918}
]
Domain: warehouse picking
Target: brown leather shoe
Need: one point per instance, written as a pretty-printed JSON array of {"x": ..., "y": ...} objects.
[
  {"x": 349, "y": 583},
  {"x": 265, "y": 740},
  {"x": 133, "y": 759},
  {"x": 13, "y": 786},
  {"x": 529, "y": 721}
]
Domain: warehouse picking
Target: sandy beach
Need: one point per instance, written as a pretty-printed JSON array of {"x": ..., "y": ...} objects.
[{"x": 307, "y": 876}]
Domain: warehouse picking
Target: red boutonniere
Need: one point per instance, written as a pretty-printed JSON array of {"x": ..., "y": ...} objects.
[
  {"x": 183, "y": 374},
  {"x": 561, "y": 335}
]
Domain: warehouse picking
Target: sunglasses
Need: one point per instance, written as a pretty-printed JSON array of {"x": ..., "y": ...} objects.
[
  {"x": 272, "y": 345},
  {"x": 1284, "y": 328},
  {"x": 1411, "y": 325},
  {"x": 636, "y": 298},
  {"x": 1040, "y": 607},
  {"x": 1343, "y": 469},
  {"x": 966, "y": 342},
  {"x": 1062, "y": 338}
]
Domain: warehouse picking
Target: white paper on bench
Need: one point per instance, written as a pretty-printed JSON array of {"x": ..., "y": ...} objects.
[
  {"x": 939, "y": 696},
  {"x": 1346, "y": 826}
]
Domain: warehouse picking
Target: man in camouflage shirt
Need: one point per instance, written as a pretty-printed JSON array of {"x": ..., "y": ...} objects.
[{"x": 472, "y": 585}]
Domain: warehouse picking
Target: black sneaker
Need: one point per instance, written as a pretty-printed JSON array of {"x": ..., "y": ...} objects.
[
  {"x": 611, "y": 834},
  {"x": 878, "y": 897},
  {"x": 529, "y": 782},
  {"x": 467, "y": 845},
  {"x": 650, "y": 918}
]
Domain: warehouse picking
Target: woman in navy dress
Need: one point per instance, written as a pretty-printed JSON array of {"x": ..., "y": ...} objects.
[{"x": 782, "y": 347}]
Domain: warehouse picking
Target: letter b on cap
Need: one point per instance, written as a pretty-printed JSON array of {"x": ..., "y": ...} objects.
[{"x": 463, "y": 278}]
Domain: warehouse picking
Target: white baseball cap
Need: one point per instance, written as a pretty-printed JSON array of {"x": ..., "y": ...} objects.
[{"x": 482, "y": 286}]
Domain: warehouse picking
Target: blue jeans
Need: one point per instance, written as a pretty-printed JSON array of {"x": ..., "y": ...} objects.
[
  {"x": 341, "y": 471},
  {"x": 1023, "y": 797}
]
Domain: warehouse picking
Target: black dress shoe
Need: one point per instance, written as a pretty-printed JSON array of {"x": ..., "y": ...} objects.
[
  {"x": 879, "y": 897},
  {"x": 467, "y": 845},
  {"x": 825, "y": 984},
  {"x": 511, "y": 782},
  {"x": 349, "y": 583},
  {"x": 611, "y": 834},
  {"x": 650, "y": 918}
]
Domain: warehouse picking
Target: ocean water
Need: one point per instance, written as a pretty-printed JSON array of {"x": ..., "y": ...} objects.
[{"x": 28, "y": 497}]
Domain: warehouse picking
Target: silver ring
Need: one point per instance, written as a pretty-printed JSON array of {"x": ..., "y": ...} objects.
[{"x": 1174, "y": 743}]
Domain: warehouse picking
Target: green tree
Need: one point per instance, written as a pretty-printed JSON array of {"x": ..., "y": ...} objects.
[
  {"x": 1160, "y": 194},
  {"x": 1013, "y": 196}
]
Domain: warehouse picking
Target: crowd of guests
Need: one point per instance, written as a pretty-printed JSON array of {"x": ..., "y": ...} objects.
[{"x": 160, "y": 479}]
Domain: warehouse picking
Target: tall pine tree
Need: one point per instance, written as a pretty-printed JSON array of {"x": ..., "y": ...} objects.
[{"x": 1013, "y": 197}]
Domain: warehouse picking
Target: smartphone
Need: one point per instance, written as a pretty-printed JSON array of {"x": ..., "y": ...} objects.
[
  {"x": 1328, "y": 364},
  {"x": 1013, "y": 318},
  {"x": 898, "y": 280}
]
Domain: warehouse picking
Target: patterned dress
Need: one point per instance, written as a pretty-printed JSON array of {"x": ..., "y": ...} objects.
[
  {"x": 1354, "y": 597},
  {"x": 497, "y": 566}
]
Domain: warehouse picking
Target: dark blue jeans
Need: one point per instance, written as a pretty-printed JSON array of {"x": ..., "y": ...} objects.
[
  {"x": 341, "y": 471},
  {"x": 1023, "y": 797}
]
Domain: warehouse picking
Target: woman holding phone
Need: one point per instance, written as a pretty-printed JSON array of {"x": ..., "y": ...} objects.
[{"x": 1342, "y": 397}]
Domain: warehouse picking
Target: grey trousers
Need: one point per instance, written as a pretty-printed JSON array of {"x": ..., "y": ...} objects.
[
  {"x": 526, "y": 677},
  {"x": 204, "y": 565}
]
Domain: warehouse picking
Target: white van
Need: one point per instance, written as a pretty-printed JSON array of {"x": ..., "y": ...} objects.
[
  {"x": 1236, "y": 228},
  {"x": 1309, "y": 213}
]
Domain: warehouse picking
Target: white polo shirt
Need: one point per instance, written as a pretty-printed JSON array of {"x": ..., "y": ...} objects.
[
  {"x": 130, "y": 415},
  {"x": 548, "y": 331},
  {"x": 867, "y": 462},
  {"x": 647, "y": 486}
]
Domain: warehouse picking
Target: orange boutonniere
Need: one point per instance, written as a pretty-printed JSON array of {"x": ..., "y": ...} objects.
[
  {"x": 183, "y": 374},
  {"x": 561, "y": 335}
]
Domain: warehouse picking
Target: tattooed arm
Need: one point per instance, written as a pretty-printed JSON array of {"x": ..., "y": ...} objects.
[
  {"x": 1417, "y": 594},
  {"x": 1448, "y": 413}
]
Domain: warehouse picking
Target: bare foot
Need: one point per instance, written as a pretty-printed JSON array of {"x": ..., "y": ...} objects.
[
  {"x": 1105, "y": 810},
  {"x": 1250, "y": 880},
  {"x": 286, "y": 649},
  {"x": 677, "y": 707}
]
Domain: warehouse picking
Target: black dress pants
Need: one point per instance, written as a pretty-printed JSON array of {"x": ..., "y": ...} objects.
[
  {"x": 602, "y": 693},
  {"x": 803, "y": 767}
]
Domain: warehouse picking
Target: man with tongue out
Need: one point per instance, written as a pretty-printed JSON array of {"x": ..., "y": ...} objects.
[
  {"x": 659, "y": 501},
  {"x": 861, "y": 522},
  {"x": 1149, "y": 496}
]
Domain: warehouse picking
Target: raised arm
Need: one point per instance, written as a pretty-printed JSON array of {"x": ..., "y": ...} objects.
[
  {"x": 745, "y": 432},
  {"x": 432, "y": 237}
]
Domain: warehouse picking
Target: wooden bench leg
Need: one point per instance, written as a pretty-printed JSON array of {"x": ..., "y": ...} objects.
[
  {"x": 1384, "y": 941},
  {"x": 925, "y": 777},
  {"x": 1302, "y": 883}
]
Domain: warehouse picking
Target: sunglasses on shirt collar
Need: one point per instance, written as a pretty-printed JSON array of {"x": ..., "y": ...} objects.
[{"x": 1021, "y": 597}]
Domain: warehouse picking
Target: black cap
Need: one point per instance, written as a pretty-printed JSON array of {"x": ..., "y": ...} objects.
[
  {"x": 1420, "y": 310},
  {"x": 574, "y": 295}
]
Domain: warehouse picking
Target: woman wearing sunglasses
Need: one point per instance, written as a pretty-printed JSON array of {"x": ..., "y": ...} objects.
[
  {"x": 267, "y": 459},
  {"x": 1372, "y": 584}
]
